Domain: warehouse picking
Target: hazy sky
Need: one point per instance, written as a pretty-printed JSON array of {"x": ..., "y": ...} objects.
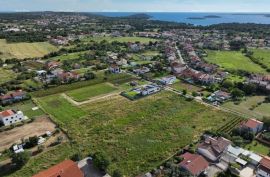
[{"x": 137, "y": 5}]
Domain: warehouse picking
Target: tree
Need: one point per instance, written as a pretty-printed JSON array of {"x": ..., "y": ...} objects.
[
  {"x": 228, "y": 84},
  {"x": 184, "y": 92},
  {"x": 249, "y": 88},
  {"x": 117, "y": 173},
  {"x": 89, "y": 75},
  {"x": 101, "y": 161},
  {"x": 20, "y": 159},
  {"x": 237, "y": 93}
]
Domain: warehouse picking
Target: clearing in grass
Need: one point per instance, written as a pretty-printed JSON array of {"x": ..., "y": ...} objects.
[
  {"x": 59, "y": 108},
  {"x": 137, "y": 136},
  {"x": 263, "y": 55},
  {"x": 24, "y": 50},
  {"x": 85, "y": 93},
  {"x": 6, "y": 75},
  {"x": 252, "y": 106},
  {"x": 233, "y": 61}
]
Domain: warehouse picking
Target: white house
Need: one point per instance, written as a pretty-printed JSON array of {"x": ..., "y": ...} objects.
[
  {"x": 149, "y": 89},
  {"x": 114, "y": 68},
  {"x": 263, "y": 169},
  {"x": 9, "y": 117},
  {"x": 168, "y": 80}
]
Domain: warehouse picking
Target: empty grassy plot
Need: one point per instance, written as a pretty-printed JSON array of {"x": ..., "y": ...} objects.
[
  {"x": 263, "y": 55},
  {"x": 85, "y": 93},
  {"x": 245, "y": 107},
  {"x": 24, "y": 50},
  {"x": 60, "y": 109},
  {"x": 26, "y": 108},
  {"x": 139, "y": 135},
  {"x": 232, "y": 60},
  {"x": 6, "y": 75}
]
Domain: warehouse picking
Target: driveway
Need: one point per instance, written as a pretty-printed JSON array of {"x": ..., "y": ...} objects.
[{"x": 88, "y": 168}]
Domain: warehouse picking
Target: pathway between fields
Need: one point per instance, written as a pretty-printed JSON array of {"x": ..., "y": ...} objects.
[{"x": 94, "y": 99}]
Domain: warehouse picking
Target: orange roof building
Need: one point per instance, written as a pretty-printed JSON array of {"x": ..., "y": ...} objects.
[{"x": 67, "y": 168}]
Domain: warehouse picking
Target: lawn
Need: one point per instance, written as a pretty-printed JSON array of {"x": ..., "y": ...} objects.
[
  {"x": 263, "y": 55},
  {"x": 69, "y": 56},
  {"x": 181, "y": 85},
  {"x": 244, "y": 107},
  {"x": 24, "y": 50},
  {"x": 6, "y": 75},
  {"x": 232, "y": 60},
  {"x": 60, "y": 108},
  {"x": 84, "y": 93},
  {"x": 120, "y": 39},
  {"x": 26, "y": 108},
  {"x": 258, "y": 147},
  {"x": 136, "y": 135}
]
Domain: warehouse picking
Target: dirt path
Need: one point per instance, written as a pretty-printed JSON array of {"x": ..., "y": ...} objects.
[
  {"x": 36, "y": 128},
  {"x": 94, "y": 99}
]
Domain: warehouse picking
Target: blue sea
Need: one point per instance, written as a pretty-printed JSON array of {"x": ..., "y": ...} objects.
[{"x": 185, "y": 17}]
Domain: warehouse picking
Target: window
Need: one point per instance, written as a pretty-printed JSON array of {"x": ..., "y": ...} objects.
[
  {"x": 10, "y": 122},
  {"x": 20, "y": 118}
]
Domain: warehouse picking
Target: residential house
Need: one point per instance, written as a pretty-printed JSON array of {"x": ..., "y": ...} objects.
[
  {"x": 67, "y": 168},
  {"x": 193, "y": 163},
  {"x": 114, "y": 68},
  {"x": 212, "y": 148},
  {"x": 263, "y": 169},
  {"x": 253, "y": 125},
  {"x": 142, "y": 70},
  {"x": 219, "y": 96},
  {"x": 168, "y": 80},
  {"x": 9, "y": 117},
  {"x": 12, "y": 97},
  {"x": 65, "y": 77},
  {"x": 52, "y": 65},
  {"x": 149, "y": 89},
  {"x": 178, "y": 68}
]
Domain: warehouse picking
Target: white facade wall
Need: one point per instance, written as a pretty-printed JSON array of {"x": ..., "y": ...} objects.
[{"x": 17, "y": 117}]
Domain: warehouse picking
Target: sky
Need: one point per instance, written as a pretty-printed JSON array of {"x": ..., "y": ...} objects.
[{"x": 137, "y": 5}]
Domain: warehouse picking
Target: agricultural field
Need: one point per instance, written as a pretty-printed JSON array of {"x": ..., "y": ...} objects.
[
  {"x": 245, "y": 106},
  {"x": 135, "y": 135},
  {"x": 263, "y": 55},
  {"x": 120, "y": 39},
  {"x": 231, "y": 60},
  {"x": 85, "y": 93},
  {"x": 6, "y": 75},
  {"x": 24, "y": 50}
]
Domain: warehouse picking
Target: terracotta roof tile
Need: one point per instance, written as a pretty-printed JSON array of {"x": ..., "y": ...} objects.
[{"x": 67, "y": 168}]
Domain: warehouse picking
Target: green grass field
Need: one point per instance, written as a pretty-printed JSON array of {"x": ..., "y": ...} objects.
[
  {"x": 231, "y": 60},
  {"x": 244, "y": 107},
  {"x": 24, "y": 50},
  {"x": 120, "y": 39},
  {"x": 136, "y": 135},
  {"x": 85, "y": 93},
  {"x": 258, "y": 147},
  {"x": 263, "y": 55},
  {"x": 60, "y": 109},
  {"x": 6, "y": 75},
  {"x": 26, "y": 108}
]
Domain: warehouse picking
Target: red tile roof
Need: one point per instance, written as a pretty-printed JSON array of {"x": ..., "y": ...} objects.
[
  {"x": 194, "y": 163},
  {"x": 252, "y": 123},
  {"x": 67, "y": 168},
  {"x": 265, "y": 164},
  {"x": 7, "y": 113}
]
